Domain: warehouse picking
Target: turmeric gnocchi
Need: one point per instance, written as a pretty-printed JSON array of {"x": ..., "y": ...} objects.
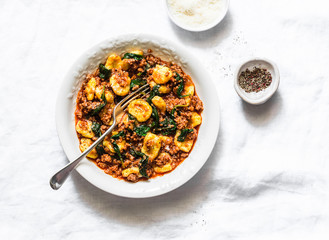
[
  {"x": 155, "y": 133},
  {"x": 86, "y": 143},
  {"x": 151, "y": 146},
  {"x": 120, "y": 83},
  {"x": 140, "y": 109},
  {"x": 161, "y": 74}
]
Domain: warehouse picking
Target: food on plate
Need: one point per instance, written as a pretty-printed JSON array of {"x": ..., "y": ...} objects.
[{"x": 158, "y": 130}]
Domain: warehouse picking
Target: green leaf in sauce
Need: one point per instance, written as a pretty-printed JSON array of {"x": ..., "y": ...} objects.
[
  {"x": 117, "y": 151},
  {"x": 180, "y": 87},
  {"x": 155, "y": 115},
  {"x": 104, "y": 72},
  {"x": 117, "y": 136},
  {"x": 154, "y": 92},
  {"x": 132, "y": 56},
  {"x": 172, "y": 113},
  {"x": 183, "y": 134},
  {"x": 142, "y": 130},
  {"x": 96, "y": 128},
  {"x": 131, "y": 117},
  {"x": 100, "y": 149},
  {"x": 137, "y": 82},
  {"x": 100, "y": 106},
  {"x": 142, "y": 163},
  {"x": 168, "y": 126}
]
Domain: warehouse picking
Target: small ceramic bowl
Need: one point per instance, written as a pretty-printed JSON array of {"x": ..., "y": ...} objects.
[
  {"x": 261, "y": 97},
  {"x": 220, "y": 17}
]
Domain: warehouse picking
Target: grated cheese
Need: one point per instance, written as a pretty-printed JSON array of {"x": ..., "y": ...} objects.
[{"x": 195, "y": 13}]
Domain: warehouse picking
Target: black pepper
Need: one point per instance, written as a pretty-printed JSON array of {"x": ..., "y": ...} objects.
[{"x": 256, "y": 80}]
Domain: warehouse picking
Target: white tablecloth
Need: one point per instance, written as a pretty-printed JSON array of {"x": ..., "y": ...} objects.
[{"x": 267, "y": 177}]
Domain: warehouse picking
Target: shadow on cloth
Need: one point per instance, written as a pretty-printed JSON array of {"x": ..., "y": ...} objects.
[
  {"x": 151, "y": 210},
  {"x": 206, "y": 39},
  {"x": 260, "y": 115}
]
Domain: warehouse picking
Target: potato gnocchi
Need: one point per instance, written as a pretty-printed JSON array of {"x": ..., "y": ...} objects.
[{"x": 158, "y": 130}]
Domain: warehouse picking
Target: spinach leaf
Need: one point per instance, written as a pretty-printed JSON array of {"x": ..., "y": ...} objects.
[
  {"x": 104, "y": 72},
  {"x": 133, "y": 56},
  {"x": 142, "y": 130},
  {"x": 96, "y": 128},
  {"x": 131, "y": 117},
  {"x": 183, "y": 134},
  {"x": 142, "y": 163},
  {"x": 155, "y": 115},
  {"x": 117, "y": 151},
  {"x": 168, "y": 126},
  {"x": 100, "y": 106},
  {"x": 100, "y": 150},
  {"x": 180, "y": 87},
  {"x": 138, "y": 82},
  {"x": 117, "y": 136},
  {"x": 154, "y": 92},
  {"x": 172, "y": 113},
  {"x": 142, "y": 166}
]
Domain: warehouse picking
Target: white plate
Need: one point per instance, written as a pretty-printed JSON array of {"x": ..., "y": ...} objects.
[{"x": 168, "y": 51}]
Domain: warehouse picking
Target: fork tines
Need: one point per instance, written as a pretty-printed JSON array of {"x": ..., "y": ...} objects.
[{"x": 141, "y": 92}]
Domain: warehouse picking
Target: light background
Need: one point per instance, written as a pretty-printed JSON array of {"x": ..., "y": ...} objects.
[{"x": 267, "y": 177}]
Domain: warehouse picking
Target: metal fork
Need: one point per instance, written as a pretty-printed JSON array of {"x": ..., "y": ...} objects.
[{"x": 59, "y": 178}]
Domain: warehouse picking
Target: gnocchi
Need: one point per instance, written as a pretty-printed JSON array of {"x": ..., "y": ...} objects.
[
  {"x": 86, "y": 143},
  {"x": 108, "y": 95},
  {"x": 151, "y": 146},
  {"x": 90, "y": 89},
  {"x": 159, "y": 103},
  {"x": 120, "y": 83},
  {"x": 138, "y": 52},
  {"x": 107, "y": 143},
  {"x": 165, "y": 168},
  {"x": 188, "y": 90},
  {"x": 161, "y": 74},
  {"x": 140, "y": 109},
  {"x": 126, "y": 172},
  {"x": 185, "y": 146},
  {"x": 84, "y": 128},
  {"x": 113, "y": 61},
  {"x": 195, "y": 120},
  {"x": 163, "y": 89}
]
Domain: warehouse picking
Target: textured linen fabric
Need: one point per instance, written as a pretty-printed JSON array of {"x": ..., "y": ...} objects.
[{"x": 267, "y": 177}]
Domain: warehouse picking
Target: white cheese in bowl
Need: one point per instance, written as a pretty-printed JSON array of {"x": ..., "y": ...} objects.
[{"x": 196, "y": 14}]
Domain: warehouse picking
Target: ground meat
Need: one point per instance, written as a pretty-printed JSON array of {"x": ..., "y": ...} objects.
[
  {"x": 197, "y": 103},
  {"x": 104, "y": 128},
  {"x": 192, "y": 135},
  {"x": 162, "y": 160},
  {"x": 132, "y": 177},
  {"x": 114, "y": 170},
  {"x": 121, "y": 77},
  {"x": 105, "y": 158},
  {"x": 181, "y": 122},
  {"x": 171, "y": 101},
  {"x": 133, "y": 137},
  {"x": 84, "y": 105},
  {"x": 106, "y": 114}
]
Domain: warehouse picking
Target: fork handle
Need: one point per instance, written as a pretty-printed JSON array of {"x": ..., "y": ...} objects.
[{"x": 59, "y": 178}]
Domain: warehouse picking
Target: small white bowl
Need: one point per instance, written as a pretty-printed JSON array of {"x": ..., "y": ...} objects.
[
  {"x": 261, "y": 97},
  {"x": 220, "y": 17}
]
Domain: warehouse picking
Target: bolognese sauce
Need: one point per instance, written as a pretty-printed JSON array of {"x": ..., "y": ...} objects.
[{"x": 156, "y": 133}]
